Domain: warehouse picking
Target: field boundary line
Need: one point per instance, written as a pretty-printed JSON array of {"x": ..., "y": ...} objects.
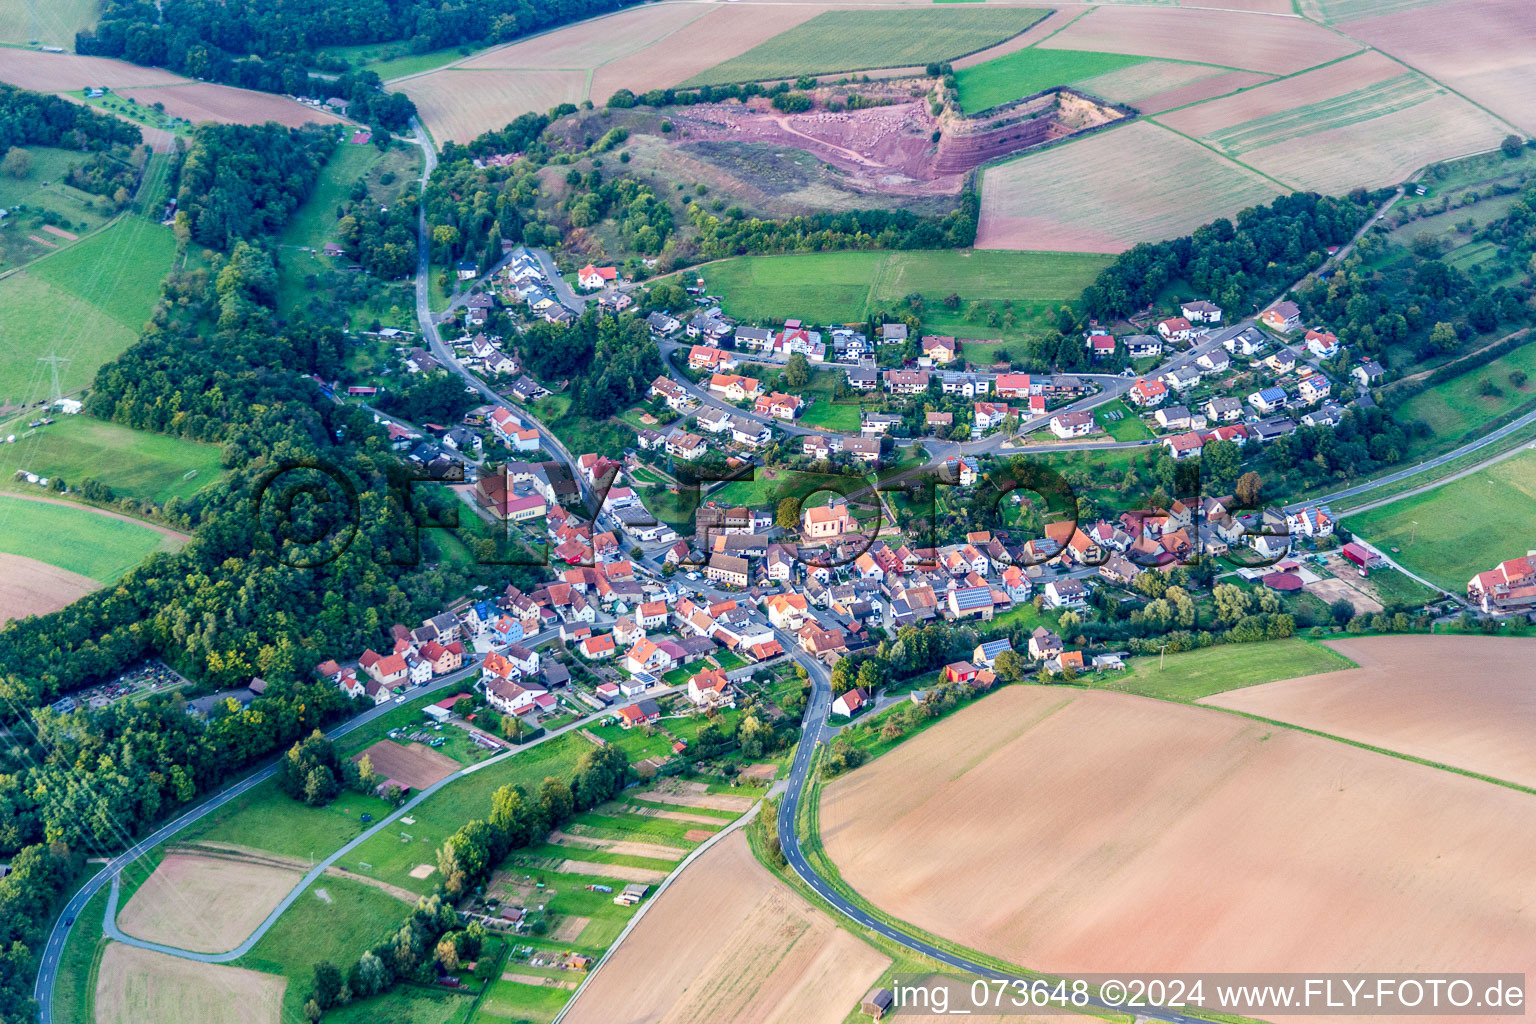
[
  {"x": 1273, "y": 78},
  {"x": 1219, "y": 154},
  {"x": 1069, "y": 23},
  {"x": 662, "y": 887}
]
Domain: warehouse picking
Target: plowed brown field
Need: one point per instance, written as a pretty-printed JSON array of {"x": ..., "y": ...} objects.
[
  {"x": 1465, "y": 701},
  {"x": 205, "y": 101},
  {"x": 1093, "y": 831},
  {"x": 30, "y": 587}
]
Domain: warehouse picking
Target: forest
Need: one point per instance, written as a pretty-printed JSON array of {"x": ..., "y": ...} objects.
[
  {"x": 610, "y": 361},
  {"x": 34, "y": 119},
  {"x": 241, "y": 181},
  {"x": 1267, "y": 250}
]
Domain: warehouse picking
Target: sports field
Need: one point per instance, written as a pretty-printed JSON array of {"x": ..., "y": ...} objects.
[
  {"x": 1465, "y": 701},
  {"x": 95, "y": 544},
  {"x": 1433, "y": 534},
  {"x": 135, "y": 985},
  {"x": 1171, "y": 829},
  {"x": 846, "y": 287},
  {"x": 855, "y": 40},
  {"x": 1196, "y": 674},
  {"x": 1104, "y": 193},
  {"x": 1026, "y": 72},
  {"x": 87, "y": 303},
  {"x": 132, "y": 462},
  {"x": 729, "y": 942}
]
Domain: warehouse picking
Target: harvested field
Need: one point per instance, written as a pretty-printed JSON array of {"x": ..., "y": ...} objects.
[
  {"x": 1384, "y": 150},
  {"x": 1335, "y": 588},
  {"x": 415, "y": 764},
  {"x": 1158, "y": 85},
  {"x": 1362, "y": 121},
  {"x": 58, "y": 72},
  {"x": 623, "y": 872},
  {"x": 205, "y": 904},
  {"x": 625, "y": 847},
  {"x": 461, "y": 105},
  {"x": 696, "y": 794},
  {"x": 728, "y": 942},
  {"x": 1200, "y": 91},
  {"x": 697, "y": 835},
  {"x": 1254, "y": 42},
  {"x": 857, "y": 40},
  {"x": 1465, "y": 701},
  {"x": 723, "y": 33},
  {"x": 1171, "y": 830},
  {"x": 591, "y": 43},
  {"x": 30, "y": 587},
  {"x": 135, "y": 985},
  {"x": 205, "y": 101},
  {"x": 1480, "y": 48},
  {"x": 568, "y": 929},
  {"x": 1106, "y": 192}
]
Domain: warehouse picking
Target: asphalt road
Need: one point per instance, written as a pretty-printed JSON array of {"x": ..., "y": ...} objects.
[{"x": 1414, "y": 470}]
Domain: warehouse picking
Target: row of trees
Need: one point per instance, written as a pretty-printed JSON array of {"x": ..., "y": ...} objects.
[
  {"x": 312, "y": 771},
  {"x": 736, "y": 234}
]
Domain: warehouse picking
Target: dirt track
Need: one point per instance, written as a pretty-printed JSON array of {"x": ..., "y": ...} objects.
[
  {"x": 1466, "y": 701},
  {"x": 729, "y": 943},
  {"x": 1160, "y": 837}
]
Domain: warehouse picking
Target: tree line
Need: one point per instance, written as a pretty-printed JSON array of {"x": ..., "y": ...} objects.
[
  {"x": 1234, "y": 264},
  {"x": 243, "y": 181},
  {"x": 34, "y": 119}
]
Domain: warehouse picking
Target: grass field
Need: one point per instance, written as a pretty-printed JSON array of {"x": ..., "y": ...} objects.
[
  {"x": 50, "y": 22},
  {"x": 846, "y": 287},
  {"x": 1456, "y": 406},
  {"x": 314, "y": 223},
  {"x": 860, "y": 40},
  {"x": 1195, "y": 674},
  {"x": 131, "y": 462},
  {"x": 1026, "y": 72},
  {"x": 1433, "y": 535},
  {"x": 1129, "y": 427},
  {"x": 512, "y": 1000},
  {"x": 86, "y": 303},
  {"x": 265, "y": 819},
  {"x": 356, "y": 916},
  {"x": 391, "y": 856},
  {"x": 404, "y": 1004},
  {"x": 99, "y": 546}
]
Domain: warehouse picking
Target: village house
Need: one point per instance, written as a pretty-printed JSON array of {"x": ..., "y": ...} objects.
[
  {"x": 875, "y": 424},
  {"x": 1322, "y": 344},
  {"x": 1044, "y": 644},
  {"x": 1143, "y": 346},
  {"x": 670, "y": 391},
  {"x": 754, "y": 339},
  {"x": 847, "y": 704},
  {"x": 734, "y": 387},
  {"x": 728, "y": 570},
  {"x": 710, "y": 689},
  {"x": 1173, "y": 417},
  {"x": 906, "y": 382},
  {"x": 1223, "y": 409},
  {"x": 1014, "y": 385},
  {"x": 862, "y": 449},
  {"x": 1185, "y": 446},
  {"x": 1100, "y": 346},
  {"x": 1181, "y": 378},
  {"x": 1247, "y": 343},
  {"x": 1201, "y": 312},
  {"x": 1314, "y": 389},
  {"x": 1368, "y": 374},
  {"x": 1176, "y": 329},
  {"x": 1214, "y": 361},
  {"x": 662, "y": 324},
  {"x": 1147, "y": 393},
  {"x": 595, "y": 277},
  {"x": 1067, "y": 593},
  {"x": 939, "y": 348},
  {"x": 645, "y": 712},
  {"x": 1282, "y": 316},
  {"x": 1073, "y": 424},
  {"x": 686, "y": 446},
  {"x": 893, "y": 334},
  {"x": 778, "y": 405},
  {"x": 1510, "y": 587},
  {"x": 705, "y": 357},
  {"x": 989, "y": 415},
  {"x": 1268, "y": 400}
]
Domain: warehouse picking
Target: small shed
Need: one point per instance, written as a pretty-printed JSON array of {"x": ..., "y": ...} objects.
[{"x": 877, "y": 1002}]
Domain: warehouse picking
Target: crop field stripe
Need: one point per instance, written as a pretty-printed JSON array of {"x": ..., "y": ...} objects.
[
  {"x": 1273, "y": 78},
  {"x": 863, "y": 40},
  {"x": 1377, "y": 100},
  {"x": 1286, "y": 186}
]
